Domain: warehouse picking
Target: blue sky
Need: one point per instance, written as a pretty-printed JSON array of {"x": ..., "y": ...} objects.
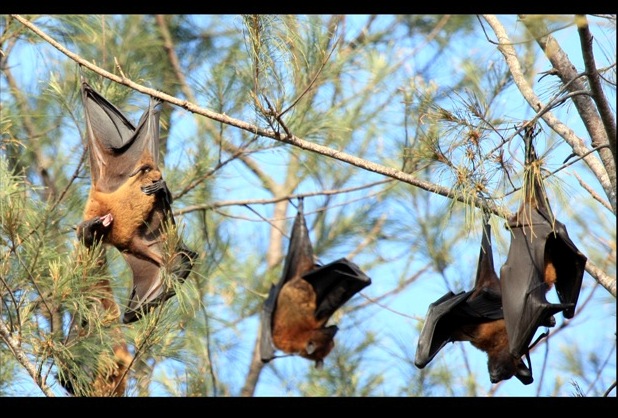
[{"x": 397, "y": 324}]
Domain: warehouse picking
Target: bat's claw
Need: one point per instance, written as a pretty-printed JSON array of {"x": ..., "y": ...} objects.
[
  {"x": 549, "y": 322},
  {"x": 524, "y": 374},
  {"x": 154, "y": 187}
]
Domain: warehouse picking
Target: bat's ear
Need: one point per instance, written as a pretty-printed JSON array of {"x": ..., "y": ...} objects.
[{"x": 524, "y": 374}]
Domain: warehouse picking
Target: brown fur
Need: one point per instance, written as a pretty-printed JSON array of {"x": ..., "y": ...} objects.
[
  {"x": 550, "y": 274},
  {"x": 130, "y": 207},
  {"x": 294, "y": 324},
  {"x": 491, "y": 338}
]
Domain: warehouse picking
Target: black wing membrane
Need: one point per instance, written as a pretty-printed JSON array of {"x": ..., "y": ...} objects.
[
  {"x": 334, "y": 284},
  {"x": 114, "y": 152},
  {"x": 443, "y": 317},
  {"x": 298, "y": 259},
  {"x": 539, "y": 244},
  {"x": 453, "y": 311},
  {"x": 266, "y": 347},
  {"x": 149, "y": 289}
]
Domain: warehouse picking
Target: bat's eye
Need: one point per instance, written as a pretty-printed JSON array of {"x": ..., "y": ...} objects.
[
  {"x": 144, "y": 168},
  {"x": 310, "y": 347}
]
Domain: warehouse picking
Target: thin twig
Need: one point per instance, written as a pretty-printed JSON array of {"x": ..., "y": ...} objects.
[{"x": 209, "y": 206}]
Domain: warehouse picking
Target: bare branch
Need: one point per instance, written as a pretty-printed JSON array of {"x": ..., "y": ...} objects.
[
  {"x": 594, "y": 194},
  {"x": 607, "y": 116},
  {"x": 168, "y": 44},
  {"x": 23, "y": 359},
  {"x": 288, "y": 139},
  {"x": 215, "y": 205},
  {"x": 510, "y": 56},
  {"x": 584, "y": 104}
]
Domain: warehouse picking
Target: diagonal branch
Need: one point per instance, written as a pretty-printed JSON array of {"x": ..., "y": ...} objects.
[
  {"x": 511, "y": 58},
  {"x": 288, "y": 139},
  {"x": 168, "y": 44},
  {"x": 23, "y": 359},
  {"x": 607, "y": 116},
  {"x": 505, "y": 46},
  {"x": 585, "y": 105}
]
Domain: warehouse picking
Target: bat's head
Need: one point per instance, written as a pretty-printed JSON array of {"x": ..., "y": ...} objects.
[
  {"x": 319, "y": 344},
  {"x": 94, "y": 229},
  {"x": 492, "y": 338},
  {"x": 501, "y": 366}
]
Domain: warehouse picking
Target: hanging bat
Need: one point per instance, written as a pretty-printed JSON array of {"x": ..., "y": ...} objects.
[
  {"x": 541, "y": 256},
  {"x": 129, "y": 204},
  {"x": 294, "y": 315},
  {"x": 475, "y": 316}
]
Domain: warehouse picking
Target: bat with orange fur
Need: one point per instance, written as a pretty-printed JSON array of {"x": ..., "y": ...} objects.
[
  {"x": 475, "y": 316},
  {"x": 541, "y": 256},
  {"x": 129, "y": 204},
  {"x": 294, "y": 315}
]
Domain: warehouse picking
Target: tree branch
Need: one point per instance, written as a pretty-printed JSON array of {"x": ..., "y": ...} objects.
[
  {"x": 23, "y": 359},
  {"x": 511, "y": 59},
  {"x": 607, "y": 116},
  {"x": 215, "y": 205},
  {"x": 506, "y": 48},
  {"x": 168, "y": 44},
  {"x": 585, "y": 105},
  {"x": 288, "y": 139}
]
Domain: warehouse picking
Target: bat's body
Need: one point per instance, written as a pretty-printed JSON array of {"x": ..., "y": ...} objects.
[
  {"x": 128, "y": 187},
  {"x": 541, "y": 256},
  {"x": 130, "y": 207},
  {"x": 297, "y": 308},
  {"x": 295, "y": 328},
  {"x": 475, "y": 316}
]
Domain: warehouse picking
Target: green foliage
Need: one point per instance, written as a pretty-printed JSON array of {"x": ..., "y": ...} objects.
[{"x": 426, "y": 95}]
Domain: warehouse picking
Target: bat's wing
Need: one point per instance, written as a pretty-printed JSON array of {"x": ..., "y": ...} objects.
[
  {"x": 149, "y": 289},
  {"x": 449, "y": 314},
  {"x": 334, "y": 284},
  {"x": 267, "y": 348},
  {"x": 298, "y": 260},
  {"x": 452, "y": 311},
  {"x": 116, "y": 147},
  {"x": 440, "y": 323},
  {"x": 539, "y": 246},
  {"x": 523, "y": 289},
  {"x": 145, "y": 141},
  {"x": 570, "y": 265},
  {"x": 149, "y": 286},
  {"x": 486, "y": 277}
]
